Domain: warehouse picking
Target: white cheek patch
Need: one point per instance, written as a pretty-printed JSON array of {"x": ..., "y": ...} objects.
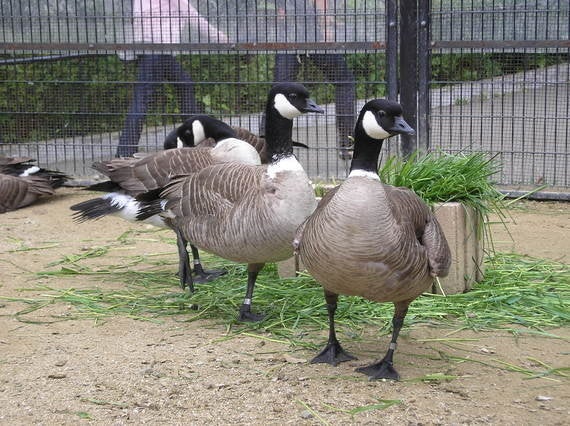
[
  {"x": 285, "y": 108},
  {"x": 372, "y": 128},
  {"x": 198, "y": 130},
  {"x": 179, "y": 143}
]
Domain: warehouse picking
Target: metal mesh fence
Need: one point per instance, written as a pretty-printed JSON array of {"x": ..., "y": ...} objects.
[
  {"x": 79, "y": 78},
  {"x": 500, "y": 80}
]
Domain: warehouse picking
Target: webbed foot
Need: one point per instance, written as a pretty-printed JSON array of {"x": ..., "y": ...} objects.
[
  {"x": 201, "y": 276},
  {"x": 380, "y": 370},
  {"x": 245, "y": 315},
  {"x": 333, "y": 354}
]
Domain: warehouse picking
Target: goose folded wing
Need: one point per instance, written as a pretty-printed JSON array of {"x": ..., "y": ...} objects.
[
  {"x": 212, "y": 191},
  {"x": 406, "y": 205},
  {"x": 137, "y": 175},
  {"x": 439, "y": 254},
  {"x": 21, "y": 191}
]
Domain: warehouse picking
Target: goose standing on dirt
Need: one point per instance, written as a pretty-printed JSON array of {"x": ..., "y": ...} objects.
[
  {"x": 248, "y": 214},
  {"x": 370, "y": 239},
  {"x": 22, "y": 182},
  {"x": 132, "y": 176}
]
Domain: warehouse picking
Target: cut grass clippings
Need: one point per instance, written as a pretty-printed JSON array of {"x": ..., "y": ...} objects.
[
  {"x": 517, "y": 291},
  {"x": 439, "y": 177}
]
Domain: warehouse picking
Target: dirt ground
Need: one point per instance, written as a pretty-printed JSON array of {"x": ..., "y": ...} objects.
[{"x": 127, "y": 371}]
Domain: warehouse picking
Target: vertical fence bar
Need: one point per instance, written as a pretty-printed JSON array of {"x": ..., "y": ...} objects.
[
  {"x": 409, "y": 70},
  {"x": 392, "y": 49},
  {"x": 424, "y": 60}
]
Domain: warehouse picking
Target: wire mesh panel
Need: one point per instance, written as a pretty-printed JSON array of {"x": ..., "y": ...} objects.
[
  {"x": 500, "y": 83},
  {"x": 84, "y": 80}
]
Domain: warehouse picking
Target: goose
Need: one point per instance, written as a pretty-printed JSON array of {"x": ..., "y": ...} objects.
[
  {"x": 244, "y": 213},
  {"x": 22, "y": 182},
  {"x": 131, "y": 176},
  {"x": 372, "y": 240},
  {"x": 173, "y": 140}
]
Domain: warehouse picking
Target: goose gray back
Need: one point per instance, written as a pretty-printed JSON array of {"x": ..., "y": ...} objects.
[
  {"x": 250, "y": 213},
  {"x": 372, "y": 240}
]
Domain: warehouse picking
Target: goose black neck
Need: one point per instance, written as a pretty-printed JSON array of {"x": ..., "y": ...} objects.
[
  {"x": 366, "y": 151},
  {"x": 278, "y": 134},
  {"x": 219, "y": 131}
]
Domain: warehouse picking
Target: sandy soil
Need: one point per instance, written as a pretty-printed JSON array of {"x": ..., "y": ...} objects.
[{"x": 126, "y": 371}]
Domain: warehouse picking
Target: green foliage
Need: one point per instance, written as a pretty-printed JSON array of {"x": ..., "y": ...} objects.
[
  {"x": 440, "y": 177},
  {"x": 78, "y": 96},
  {"x": 453, "y": 68},
  {"x": 370, "y": 73},
  {"x": 90, "y": 95}
]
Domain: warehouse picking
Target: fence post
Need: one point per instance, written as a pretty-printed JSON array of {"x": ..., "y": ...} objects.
[
  {"x": 409, "y": 71},
  {"x": 392, "y": 49},
  {"x": 424, "y": 76}
]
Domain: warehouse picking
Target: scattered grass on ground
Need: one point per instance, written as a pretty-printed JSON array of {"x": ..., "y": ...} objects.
[{"x": 518, "y": 292}]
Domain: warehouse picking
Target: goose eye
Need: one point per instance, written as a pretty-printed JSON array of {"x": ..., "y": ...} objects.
[
  {"x": 292, "y": 95},
  {"x": 381, "y": 113}
]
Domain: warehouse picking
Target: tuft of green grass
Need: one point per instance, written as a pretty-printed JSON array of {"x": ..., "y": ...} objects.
[{"x": 441, "y": 177}]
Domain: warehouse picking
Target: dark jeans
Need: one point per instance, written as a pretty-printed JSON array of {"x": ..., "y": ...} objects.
[
  {"x": 337, "y": 72},
  {"x": 153, "y": 70}
]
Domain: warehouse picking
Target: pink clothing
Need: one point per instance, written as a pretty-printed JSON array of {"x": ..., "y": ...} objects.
[{"x": 162, "y": 21}]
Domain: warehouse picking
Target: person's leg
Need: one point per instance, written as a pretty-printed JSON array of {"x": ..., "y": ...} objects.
[
  {"x": 183, "y": 86},
  {"x": 337, "y": 71},
  {"x": 286, "y": 67},
  {"x": 145, "y": 86}
]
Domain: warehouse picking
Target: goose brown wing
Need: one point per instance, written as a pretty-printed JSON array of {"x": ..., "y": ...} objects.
[
  {"x": 9, "y": 161},
  {"x": 404, "y": 203},
  {"x": 213, "y": 190},
  {"x": 154, "y": 171},
  {"x": 16, "y": 192}
]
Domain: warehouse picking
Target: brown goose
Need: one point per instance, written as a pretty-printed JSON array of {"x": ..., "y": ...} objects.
[
  {"x": 370, "y": 239},
  {"x": 132, "y": 176},
  {"x": 22, "y": 182},
  {"x": 247, "y": 213}
]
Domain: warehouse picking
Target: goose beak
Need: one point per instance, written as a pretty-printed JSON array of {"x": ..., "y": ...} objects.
[
  {"x": 401, "y": 127},
  {"x": 311, "y": 106}
]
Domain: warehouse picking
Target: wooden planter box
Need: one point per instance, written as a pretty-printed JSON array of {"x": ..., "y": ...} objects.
[{"x": 459, "y": 223}]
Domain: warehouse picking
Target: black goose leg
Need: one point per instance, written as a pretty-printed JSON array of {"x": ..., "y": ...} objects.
[
  {"x": 245, "y": 313},
  {"x": 200, "y": 275},
  {"x": 333, "y": 353},
  {"x": 184, "y": 270},
  {"x": 384, "y": 369}
]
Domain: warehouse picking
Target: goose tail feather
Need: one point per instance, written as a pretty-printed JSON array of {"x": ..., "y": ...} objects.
[{"x": 93, "y": 209}]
